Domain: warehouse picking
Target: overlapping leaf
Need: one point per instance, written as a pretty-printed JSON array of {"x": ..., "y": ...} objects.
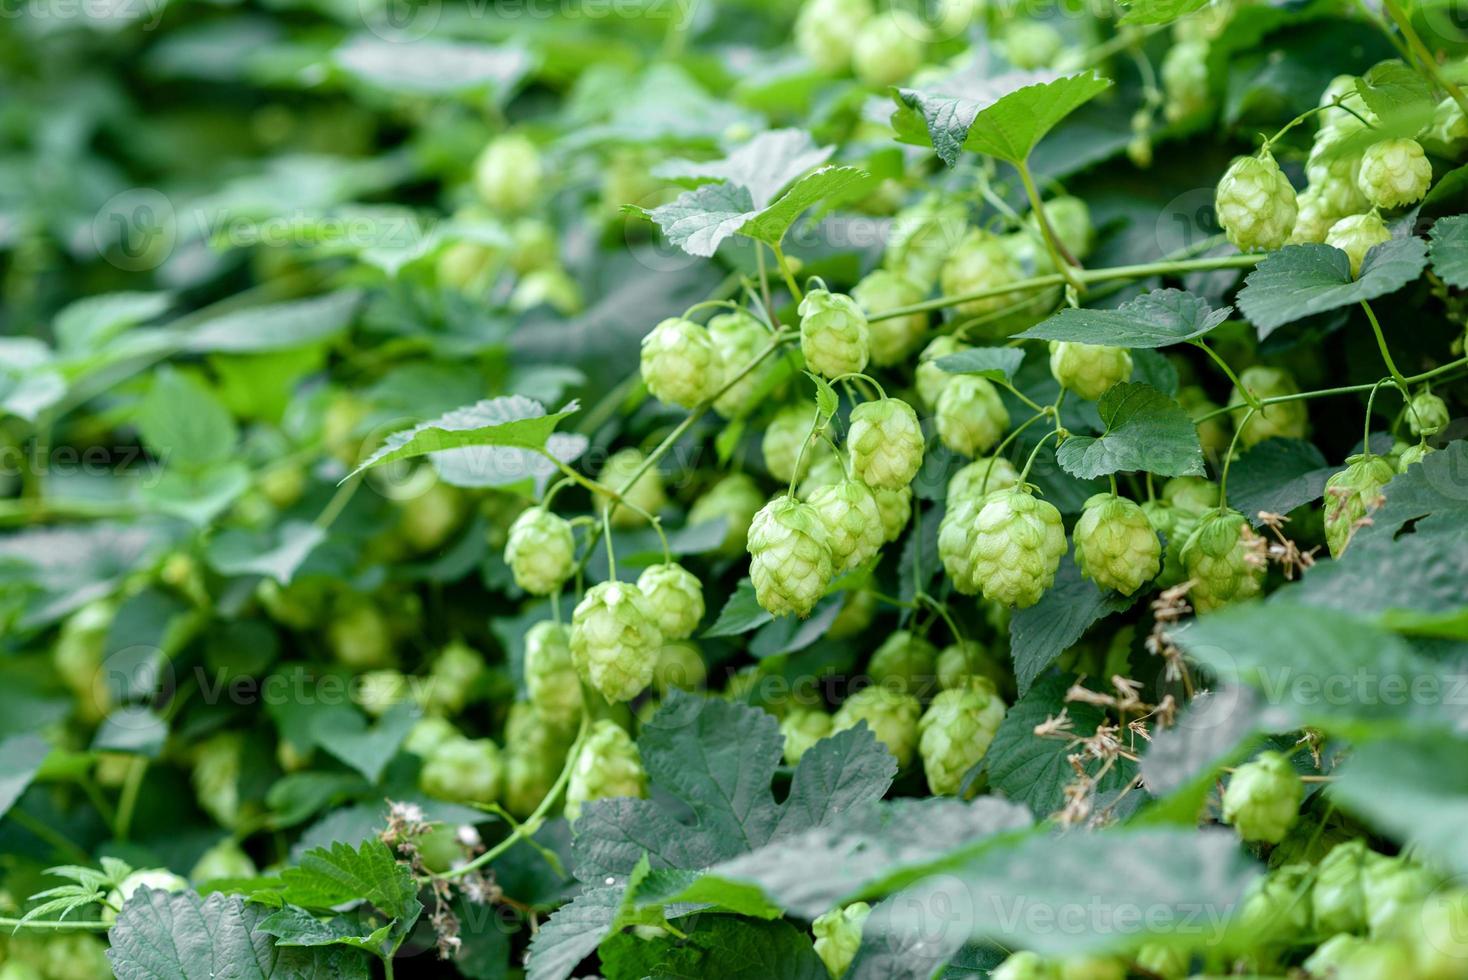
[
  {"x": 1145, "y": 430},
  {"x": 1157, "y": 319},
  {"x": 512, "y": 421},
  {"x": 1302, "y": 280}
]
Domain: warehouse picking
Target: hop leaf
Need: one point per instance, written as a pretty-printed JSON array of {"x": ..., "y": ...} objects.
[
  {"x": 1256, "y": 204},
  {"x": 1018, "y": 540},
  {"x": 1089, "y": 370},
  {"x": 607, "y": 766},
  {"x": 1115, "y": 545},
  {"x": 955, "y": 732},
  {"x": 680, "y": 364},
  {"x": 1263, "y": 798},
  {"x": 1224, "y": 559},
  {"x": 790, "y": 557},
  {"x": 833, "y": 333},
  {"x": 886, "y": 443},
  {"x": 674, "y": 597},
  {"x": 541, "y": 551},
  {"x": 615, "y": 640}
]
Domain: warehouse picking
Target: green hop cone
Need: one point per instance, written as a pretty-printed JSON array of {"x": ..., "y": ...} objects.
[
  {"x": 608, "y": 766},
  {"x": 895, "y": 508},
  {"x": 1275, "y": 910},
  {"x": 1185, "y": 81},
  {"x": 1092, "y": 968},
  {"x": 379, "y": 691},
  {"x": 833, "y": 333},
  {"x": 782, "y": 441},
  {"x": 1317, "y": 211},
  {"x": 1262, "y": 801},
  {"x": 980, "y": 263},
  {"x": 853, "y": 524},
  {"x": 1018, "y": 540},
  {"x": 680, "y": 665},
  {"x": 838, "y": 936},
  {"x": 1334, "y": 174},
  {"x": 955, "y": 732},
  {"x": 1175, "y": 526},
  {"x": 541, "y": 551},
  {"x": 507, "y": 173},
  {"x": 1412, "y": 454},
  {"x": 1284, "y": 420},
  {"x": 922, "y": 237},
  {"x": 1357, "y": 235},
  {"x": 905, "y": 662},
  {"x": 1115, "y": 545},
  {"x": 1351, "y": 495},
  {"x": 735, "y": 500},
  {"x": 427, "y": 734},
  {"x": 359, "y": 634},
  {"x": 827, "y": 471},
  {"x": 674, "y": 597},
  {"x": 224, "y": 860},
  {"x": 929, "y": 379},
  {"x": 1025, "y": 965},
  {"x": 891, "y": 340},
  {"x": 826, "y": 31},
  {"x": 1191, "y": 494},
  {"x": 955, "y": 535},
  {"x": 1442, "y": 936},
  {"x": 790, "y": 557},
  {"x": 1393, "y": 890},
  {"x": 803, "y": 728},
  {"x": 646, "y": 494},
  {"x": 1224, "y": 559},
  {"x": 1070, "y": 219},
  {"x": 535, "y": 751},
  {"x": 1032, "y": 44},
  {"x": 960, "y": 662},
  {"x": 857, "y": 611},
  {"x": 1427, "y": 414},
  {"x": 615, "y": 640},
  {"x": 981, "y": 477},
  {"x": 1089, "y": 370},
  {"x": 454, "y": 678},
  {"x": 888, "y": 48},
  {"x": 971, "y": 417},
  {"x": 739, "y": 338},
  {"x": 1337, "y": 900},
  {"x": 463, "y": 770},
  {"x": 1256, "y": 204},
  {"x": 1395, "y": 173},
  {"x": 891, "y": 715},
  {"x": 680, "y": 364},
  {"x": 886, "y": 443},
  {"x": 551, "y": 680}
]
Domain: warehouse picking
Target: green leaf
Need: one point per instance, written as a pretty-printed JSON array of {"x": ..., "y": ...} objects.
[
  {"x": 572, "y": 933},
  {"x": 131, "y": 728},
  {"x": 1145, "y": 430},
  {"x": 994, "y": 363},
  {"x": 294, "y": 926},
  {"x": 275, "y": 553},
  {"x": 20, "y": 757},
  {"x": 1391, "y": 89},
  {"x": 30, "y": 383},
  {"x": 1415, "y": 790},
  {"x": 1003, "y": 116},
  {"x": 1160, "y": 11},
  {"x": 716, "y": 946},
  {"x": 277, "y": 326},
  {"x": 1302, "y": 280},
  {"x": 1181, "y": 764},
  {"x": 741, "y": 613},
  {"x": 1041, "y": 633},
  {"x": 185, "y": 424},
  {"x": 1277, "y": 475},
  {"x": 513, "y": 421},
  {"x": 197, "y": 495},
  {"x": 1449, "y": 250},
  {"x": 86, "y": 325},
  {"x": 343, "y": 732},
  {"x": 329, "y": 876},
  {"x": 1157, "y": 319},
  {"x": 829, "y": 186},
  {"x": 181, "y": 936},
  {"x": 764, "y": 166},
  {"x": 826, "y": 400}
]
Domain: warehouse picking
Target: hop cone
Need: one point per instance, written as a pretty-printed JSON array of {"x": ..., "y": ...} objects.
[
  {"x": 535, "y": 751},
  {"x": 1334, "y": 174},
  {"x": 1070, "y": 219},
  {"x": 803, "y": 728},
  {"x": 1263, "y": 798},
  {"x": 550, "y": 672},
  {"x": 895, "y": 507},
  {"x": 971, "y": 418},
  {"x": 1338, "y": 899},
  {"x": 1318, "y": 210},
  {"x": 1412, "y": 454},
  {"x": 646, "y": 494},
  {"x": 463, "y": 770},
  {"x": 970, "y": 481},
  {"x": 1352, "y": 494},
  {"x": 1018, "y": 541},
  {"x": 1357, "y": 235},
  {"x": 541, "y": 551},
  {"x": 955, "y": 732},
  {"x": 1393, "y": 890},
  {"x": 888, "y": 48},
  {"x": 853, "y": 524},
  {"x": 1191, "y": 494},
  {"x": 1089, "y": 370},
  {"x": 790, "y": 557},
  {"x": 1274, "y": 911},
  {"x": 1427, "y": 414},
  {"x": 738, "y": 338},
  {"x": 825, "y": 31},
  {"x": 833, "y": 333},
  {"x": 960, "y": 662},
  {"x": 1185, "y": 80},
  {"x": 980, "y": 263},
  {"x": 615, "y": 639},
  {"x": 1224, "y": 559},
  {"x": 1032, "y": 44},
  {"x": 1256, "y": 204},
  {"x": 1115, "y": 545},
  {"x": 1395, "y": 173},
  {"x": 680, "y": 364},
  {"x": 783, "y": 438},
  {"x": 674, "y": 597},
  {"x": 507, "y": 174},
  {"x": 838, "y": 936},
  {"x": 827, "y": 471},
  {"x": 1285, "y": 420},
  {"x": 1175, "y": 526},
  {"x": 453, "y": 678},
  {"x": 929, "y": 379},
  {"x": 891, "y": 715},
  {"x": 893, "y": 339},
  {"x": 886, "y": 443},
  {"x": 680, "y": 665},
  {"x": 735, "y": 499},
  {"x": 922, "y": 237},
  {"x": 608, "y": 766},
  {"x": 955, "y": 535},
  {"x": 905, "y": 662}
]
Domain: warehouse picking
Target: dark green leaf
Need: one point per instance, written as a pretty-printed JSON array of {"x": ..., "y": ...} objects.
[
  {"x": 1047, "y": 629},
  {"x": 1391, "y": 89},
  {"x": 1145, "y": 430},
  {"x": 341, "y": 874},
  {"x": 1449, "y": 250},
  {"x": 741, "y": 613},
  {"x": 344, "y": 733},
  {"x": 1301, "y": 280},
  {"x": 573, "y": 932},
  {"x": 1277, "y": 475},
  {"x": 20, "y": 757},
  {"x": 1157, "y": 319},
  {"x": 1415, "y": 790},
  {"x": 717, "y": 946},
  {"x": 994, "y": 363}
]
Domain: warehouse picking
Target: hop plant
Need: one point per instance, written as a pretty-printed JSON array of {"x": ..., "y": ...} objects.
[
  {"x": 1224, "y": 559},
  {"x": 790, "y": 557},
  {"x": 905, "y": 662},
  {"x": 1427, "y": 414},
  {"x": 895, "y": 508},
  {"x": 224, "y": 860},
  {"x": 891, "y": 715},
  {"x": 359, "y": 635},
  {"x": 1316, "y": 213},
  {"x": 955, "y": 732},
  {"x": 959, "y": 662},
  {"x": 1018, "y": 541},
  {"x": 1284, "y": 420},
  {"x": 646, "y": 494},
  {"x": 1163, "y": 960},
  {"x": 922, "y": 237},
  {"x": 929, "y": 379},
  {"x": 1334, "y": 172},
  {"x": 507, "y": 173},
  {"x": 608, "y": 766},
  {"x": 378, "y": 691},
  {"x": 838, "y": 936},
  {"x": 541, "y": 551},
  {"x": 827, "y": 471},
  {"x": 463, "y": 770},
  {"x": 955, "y": 535},
  {"x": 1351, "y": 494},
  {"x": 735, "y": 499},
  {"x": 980, "y": 263},
  {"x": 833, "y": 333},
  {"x": 1175, "y": 526},
  {"x": 1273, "y": 910},
  {"x": 738, "y": 339},
  {"x": 1185, "y": 81},
  {"x": 535, "y": 751},
  {"x": 981, "y": 477},
  {"x": 1337, "y": 900},
  {"x": 680, "y": 364},
  {"x": 892, "y": 339},
  {"x": 888, "y": 48},
  {"x": 1089, "y": 370},
  {"x": 674, "y": 597},
  {"x": 551, "y": 680},
  {"x": 680, "y": 665},
  {"x": 1070, "y": 219},
  {"x": 1393, "y": 890},
  {"x": 1115, "y": 544},
  {"x": 886, "y": 443},
  {"x": 1262, "y": 801},
  {"x": 1395, "y": 173},
  {"x": 853, "y": 524},
  {"x": 615, "y": 639},
  {"x": 971, "y": 418},
  {"x": 1256, "y": 204},
  {"x": 783, "y": 439},
  {"x": 427, "y": 734},
  {"x": 826, "y": 31},
  {"x": 1357, "y": 235},
  {"x": 1412, "y": 454},
  {"x": 1192, "y": 494},
  {"x": 803, "y": 728}
]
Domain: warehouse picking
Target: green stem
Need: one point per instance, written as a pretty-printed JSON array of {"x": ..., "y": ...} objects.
[
  {"x": 127, "y": 801},
  {"x": 338, "y": 501},
  {"x": 815, "y": 427},
  {"x": 1064, "y": 261},
  {"x": 999, "y": 449},
  {"x": 1034, "y": 453},
  {"x": 1326, "y": 392},
  {"x": 1249, "y": 397},
  {"x": 1428, "y": 63},
  {"x": 1386, "y": 355},
  {"x": 787, "y": 274},
  {"x": 1370, "y": 401},
  {"x": 1229, "y": 458},
  {"x": 1029, "y": 402},
  {"x": 55, "y": 924},
  {"x": 606, "y": 526}
]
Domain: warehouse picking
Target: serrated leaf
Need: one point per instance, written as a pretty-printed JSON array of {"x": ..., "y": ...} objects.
[
  {"x": 1003, "y": 116},
  {"x": 344, "y": 733},
  {"x": 994, "y": 363},
  {"x": 1449, "y": 250},
  {"x": 764, "y": 166},
  {"x": 1302, "y": 280},
  {"x": 294, "y": 926},
  {"x": 741, "y": 613},
  {"x": 476, "y": 467},
  {"x": 1145, "y": 430},
  {"x": 513, "y": 421},
  {"x": 330, "y": 876},
  {"x": 715, "y": 946},
  {"x": 828, "y": 186},
  {"x": 826, "y": 400},
  {"x": 1157, "y": 319},
  {"x": 1277, "y": 475},
  {"x": 1391, "y": 89},
  {"x": 1042, "y": 632},
  {"x": 572, "y": 933}
]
